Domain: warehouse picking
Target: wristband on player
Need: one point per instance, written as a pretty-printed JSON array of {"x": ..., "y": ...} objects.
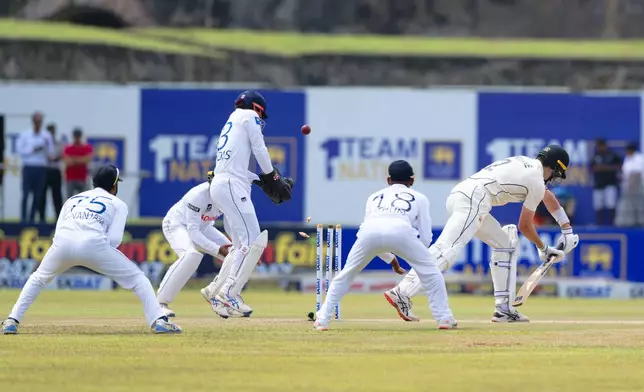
[
  {"x": 560, "y": 216},
  {"x": 566, "y": 231}
]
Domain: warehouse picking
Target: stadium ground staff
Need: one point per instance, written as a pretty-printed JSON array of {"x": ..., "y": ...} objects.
[{"x": 88, "y": 232}]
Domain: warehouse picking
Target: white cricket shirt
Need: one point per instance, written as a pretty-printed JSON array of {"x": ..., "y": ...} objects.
[
  {"x": 514, "y": 180},
  {"x": 400, "y": 202},
  {"x": 241, "y": 136},
  {"x": 195, "y": 211},
  {"x": 92, "y": 215}
]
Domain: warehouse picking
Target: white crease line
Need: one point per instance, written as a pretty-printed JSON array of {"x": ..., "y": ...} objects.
[{"x": 481, "y": 321}]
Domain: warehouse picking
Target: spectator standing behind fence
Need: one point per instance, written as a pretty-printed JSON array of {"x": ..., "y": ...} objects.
[
  {"x": 77, "y": 157},
  {"x": 630, "y": 210},
  {"x": 34, "y": 148},
  {"x": 606, "y": 166},
  {"x": 53, "y": 177}
]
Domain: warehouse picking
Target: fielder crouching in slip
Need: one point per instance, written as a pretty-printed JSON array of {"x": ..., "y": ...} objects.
[
  {"x": 89, "y": 229},
  {"x": 397, "y": 221},
  {"x": 517, "y": 179},
  {"x": 188, "y": 228}
]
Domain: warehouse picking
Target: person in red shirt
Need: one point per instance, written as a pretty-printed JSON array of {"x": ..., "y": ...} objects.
[{"x": 77, "y": 157}]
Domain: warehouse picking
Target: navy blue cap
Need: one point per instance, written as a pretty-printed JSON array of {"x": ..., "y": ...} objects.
[
  {"x": 400, "y": 171},
  {"x": 106, "y": 177}
]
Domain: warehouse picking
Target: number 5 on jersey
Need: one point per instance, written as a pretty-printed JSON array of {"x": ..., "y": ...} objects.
[{"x": 97, "y": 206}]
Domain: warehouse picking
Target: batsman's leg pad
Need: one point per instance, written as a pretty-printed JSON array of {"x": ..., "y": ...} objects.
[{"x": 503, "y": 267}]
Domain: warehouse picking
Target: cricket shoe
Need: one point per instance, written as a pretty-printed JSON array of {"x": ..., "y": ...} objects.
[
  {"x": 245, "y": 310},
  {"x": 401, "y": 304},
  {"x": 10, "y": 327},
  {"x": 235, "y": 303},
  {"x": 167, "y": 311},
  {"x": 320, "y": 326},
  {"x": 206, "y": 293},
  {"x": 216, "y": 305},
  {"x": 508, "y": 316},
  {"x": 449, "y": 323},
  {"x": 162, "y": 325}
]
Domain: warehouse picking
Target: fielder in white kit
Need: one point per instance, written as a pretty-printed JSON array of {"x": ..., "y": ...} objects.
[
  {"x": 397, "y": 221},
  {"x": 88, "y": 231},
  {"x": 230, "y": 193},
  {"x": 512, "y": 180},
  {"x": 188, "y": 228}
]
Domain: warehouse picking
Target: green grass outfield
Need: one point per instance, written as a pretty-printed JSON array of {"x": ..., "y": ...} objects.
[
  {"x": 97, "y": 341},
  {"x": 214, "y": 42}
]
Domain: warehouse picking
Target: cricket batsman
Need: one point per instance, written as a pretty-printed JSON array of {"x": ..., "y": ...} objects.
[{"x": 517, "y": 179}]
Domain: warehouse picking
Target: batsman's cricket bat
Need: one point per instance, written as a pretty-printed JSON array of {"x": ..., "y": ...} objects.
[{"x": 532, "y": 282}]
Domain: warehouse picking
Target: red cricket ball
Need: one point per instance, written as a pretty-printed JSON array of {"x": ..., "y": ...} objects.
[{"x": 306, "y": 129}]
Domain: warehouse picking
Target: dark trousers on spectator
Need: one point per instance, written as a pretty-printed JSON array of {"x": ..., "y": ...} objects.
[
  {"x": 53, "y": 181},
  {"x": 33, "y": 182},
  {"x": 75, "y": 187}
]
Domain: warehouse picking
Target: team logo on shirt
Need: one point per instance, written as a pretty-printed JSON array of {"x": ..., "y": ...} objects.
[{"x": 208, "y": 208}]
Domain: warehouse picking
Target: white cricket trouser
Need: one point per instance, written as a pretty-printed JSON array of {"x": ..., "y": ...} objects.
[
  {"x": 231, "y": 196},
  {"x": 396, "y": 236},
  {"x": 97, "y": 256},
  {"x": 468, "y": 207},
  {"x": 189, "y": 257}
]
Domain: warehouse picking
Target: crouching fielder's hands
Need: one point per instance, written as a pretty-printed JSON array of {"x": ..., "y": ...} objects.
[
  {"x": 567, "y": 240},
  {"x": 224, "y": 249},
  {"x": 551, "y": 254},
  {"x": 395, "y": 265}
]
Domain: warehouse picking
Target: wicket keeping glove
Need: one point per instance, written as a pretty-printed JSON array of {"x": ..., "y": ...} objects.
[
  {"x": 277, "y": 188},
  {"x": 567, "y": 240}
]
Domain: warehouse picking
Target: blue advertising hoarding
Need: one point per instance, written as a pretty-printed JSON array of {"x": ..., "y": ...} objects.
[
  {"x": 523, "y": 123},
  {"x": 179, "y": 131},
  {"x": 602, "y": 253}
]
